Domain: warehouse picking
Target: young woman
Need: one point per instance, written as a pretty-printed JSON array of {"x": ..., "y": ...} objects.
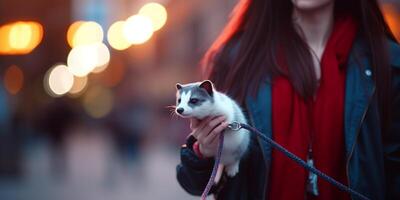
[{"x": 322, "y": 78}]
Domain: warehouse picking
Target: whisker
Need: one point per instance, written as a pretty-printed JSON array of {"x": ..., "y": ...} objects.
[
  {"x": 170, "y": 106},
  {"x": 173, "y": 114},
  {"x": 171, "y": 109}
]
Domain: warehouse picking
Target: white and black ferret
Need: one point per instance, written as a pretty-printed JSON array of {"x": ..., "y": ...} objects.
[{"x": 201, "y": 99}]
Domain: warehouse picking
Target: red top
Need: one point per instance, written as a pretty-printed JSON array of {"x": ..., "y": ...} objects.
[{"x": 321, "y": 124}]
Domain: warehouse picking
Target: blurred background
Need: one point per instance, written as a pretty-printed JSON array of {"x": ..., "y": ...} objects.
[{"x": 84, "y": 90}]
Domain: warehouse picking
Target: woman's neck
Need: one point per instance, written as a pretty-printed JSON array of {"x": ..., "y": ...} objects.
[{"x": 315, "y": 26}]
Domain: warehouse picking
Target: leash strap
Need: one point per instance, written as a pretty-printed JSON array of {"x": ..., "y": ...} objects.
[
  {"x": 237, "y": 126},
  {"x": 215, "y": 167}
]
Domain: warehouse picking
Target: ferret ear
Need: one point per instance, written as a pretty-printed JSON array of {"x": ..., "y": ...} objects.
[
  {"x": 208, "y": 86},
  {"x": 178, "y": 86}
]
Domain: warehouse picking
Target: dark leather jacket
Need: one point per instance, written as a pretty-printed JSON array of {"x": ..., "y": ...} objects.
[{"x": 373, "y": 161}]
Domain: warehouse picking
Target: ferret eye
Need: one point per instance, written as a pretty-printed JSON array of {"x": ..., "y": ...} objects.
[
  {"x": 193, "y": 101},
  {"x": 179, "y": 100}
]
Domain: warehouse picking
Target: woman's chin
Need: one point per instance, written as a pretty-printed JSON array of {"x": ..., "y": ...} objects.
[{"x": 310, "y": 5}]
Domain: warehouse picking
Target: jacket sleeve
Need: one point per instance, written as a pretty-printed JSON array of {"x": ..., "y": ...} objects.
[
  {"x": 193, "y": 172},
  {"x": 392, "y": 143}
]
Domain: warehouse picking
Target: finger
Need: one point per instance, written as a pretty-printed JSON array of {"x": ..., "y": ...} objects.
[
  {"x": 213, "y": 123},
  {"x": 206, "y": 130},
  {"x": 204, "y": 121},
  {"x": 198, "y": 129},
  {"x": 212, "y": 137}
]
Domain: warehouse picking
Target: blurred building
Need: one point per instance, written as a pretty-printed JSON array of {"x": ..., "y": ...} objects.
[{"x": 116, "y": 133}]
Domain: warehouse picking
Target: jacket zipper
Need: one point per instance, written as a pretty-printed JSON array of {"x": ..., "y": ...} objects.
[
  {"x": 355, "y": 139},
  {"x": 262, "y": 151}
]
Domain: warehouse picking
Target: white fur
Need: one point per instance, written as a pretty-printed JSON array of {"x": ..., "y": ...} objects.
[
  {"x": 185, "y": 98},
  {"x": 235, "y": 142}
]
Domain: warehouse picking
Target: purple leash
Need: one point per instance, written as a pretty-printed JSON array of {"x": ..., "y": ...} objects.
[
  {"x": 215, "y": 167},
  {"x": 237, "y": 126}
]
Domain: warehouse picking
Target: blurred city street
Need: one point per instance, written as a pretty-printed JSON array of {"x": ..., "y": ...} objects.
[
  {"x": 86, "y": 89},
  {"x": 94, "y": 171}
]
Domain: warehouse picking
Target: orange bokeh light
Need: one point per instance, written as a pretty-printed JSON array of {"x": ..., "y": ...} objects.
[
  {"x": 5, "y": 47},
  {"x": 84, "y": 33},
  {"x": 392, "y": 17},
  {"x": 20, "y": 37},
  {"x": 13, "y": 79},
  {"x": 71, "y": 32}
]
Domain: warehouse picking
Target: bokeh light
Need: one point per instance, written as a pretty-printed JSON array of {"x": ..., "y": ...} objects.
[
  {"x": 13, "y": 79},
  {"x": 115, "y": 36},
  {"x": 83, "y": 59},
  {"x": 392, "y": 17},
  {"x": 79, "y": 85},
  {"x": 58, "y": 80},
  {"x": 157, "y": 14},
  {"x": 98, "y": 101},
  {"x": 5, "y": 47},
  {"x": 138, "y": 29},
  {"x": 20, "y": 37},
  {"x": 100, "y": 68},
  {"x": 102, "y": 56},
  {"x": 84, "y": 33},
  {"x": 72, "y": 31}
]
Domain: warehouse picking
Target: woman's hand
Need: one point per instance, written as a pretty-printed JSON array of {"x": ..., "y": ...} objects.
[{"x": 206, "y": 132}]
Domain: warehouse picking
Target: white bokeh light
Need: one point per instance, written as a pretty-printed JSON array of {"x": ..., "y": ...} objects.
[
  {"x": 102, "y": 56},
  {"x": 138, "y": 29},
  {"x": 116, "y": 37},
  {"x": 87, "y": 33},
  {"x": 60, "y": 80},
  {"x": 156, "y": 12},
  {"x": 82, "y": 60}
]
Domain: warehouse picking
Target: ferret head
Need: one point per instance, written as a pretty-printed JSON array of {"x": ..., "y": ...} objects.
[{"x": 195, "y": 99}]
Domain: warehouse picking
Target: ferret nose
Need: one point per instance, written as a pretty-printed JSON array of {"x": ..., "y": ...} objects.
[{"x": 180, "y": 110}]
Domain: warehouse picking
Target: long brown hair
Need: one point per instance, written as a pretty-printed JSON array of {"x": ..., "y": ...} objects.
[{"x": 245, "y": 52}]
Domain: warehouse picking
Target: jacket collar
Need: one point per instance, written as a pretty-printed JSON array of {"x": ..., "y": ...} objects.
[{"x": 359, "y": 90}]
